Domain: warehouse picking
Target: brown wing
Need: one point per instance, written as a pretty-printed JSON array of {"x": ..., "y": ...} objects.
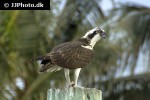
[{"x": 71, "y": 55}]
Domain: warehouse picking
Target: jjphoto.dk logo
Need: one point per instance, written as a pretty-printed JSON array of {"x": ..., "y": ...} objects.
[
  {"x": 24, "y": 4},
  {"x": 12, "y": 5},
  {"x": 6, "y": 5}
]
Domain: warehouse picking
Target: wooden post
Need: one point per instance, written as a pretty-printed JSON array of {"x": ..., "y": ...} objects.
[{"x": 78, "y": 93}]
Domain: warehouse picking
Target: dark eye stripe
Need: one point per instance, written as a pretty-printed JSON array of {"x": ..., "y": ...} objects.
[{"x": 92, "y": 35}]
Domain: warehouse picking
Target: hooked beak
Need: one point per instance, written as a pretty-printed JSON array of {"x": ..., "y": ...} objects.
[{"x": 103, "y": 35}]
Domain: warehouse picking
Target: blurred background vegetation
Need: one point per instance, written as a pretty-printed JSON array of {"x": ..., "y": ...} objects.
[{"x": 121, "y": 67}]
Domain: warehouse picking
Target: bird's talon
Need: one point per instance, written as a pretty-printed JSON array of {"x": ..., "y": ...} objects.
[{"x": 72, "y": 84}]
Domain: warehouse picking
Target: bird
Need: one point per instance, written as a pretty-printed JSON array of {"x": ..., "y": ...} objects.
[{"x": 72, "y": 55}]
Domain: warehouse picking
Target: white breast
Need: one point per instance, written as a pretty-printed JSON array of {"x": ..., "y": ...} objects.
[{"x": 87, "y": 47}]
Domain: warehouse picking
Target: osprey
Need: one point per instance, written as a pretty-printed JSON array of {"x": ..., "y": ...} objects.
[{"x": 72, "y": 55}]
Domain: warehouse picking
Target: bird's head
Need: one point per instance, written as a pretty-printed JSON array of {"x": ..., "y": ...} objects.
[{"x": 95, "y": 35}]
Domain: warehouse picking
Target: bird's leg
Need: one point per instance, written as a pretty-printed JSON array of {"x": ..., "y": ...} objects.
[
  {"x": 76, "y": 75},
  {"x": 67, "y": 76}
]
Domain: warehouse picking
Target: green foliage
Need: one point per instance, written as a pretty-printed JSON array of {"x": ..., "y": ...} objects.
[
  {"x": 27, "y": 34},
  {"x": 135, "y": 21}
]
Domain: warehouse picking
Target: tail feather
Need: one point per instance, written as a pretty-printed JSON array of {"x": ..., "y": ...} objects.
[
  {"x": 46, "y": 64},
  {"x": 41, "y": 58},
  {"x": 45, "y": 67},
  {"x": 49, "y": 67},
  {"x": 54, "y": 68}
]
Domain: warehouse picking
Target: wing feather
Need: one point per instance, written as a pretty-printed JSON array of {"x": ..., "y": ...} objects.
[{"x": 71, "y": 55}]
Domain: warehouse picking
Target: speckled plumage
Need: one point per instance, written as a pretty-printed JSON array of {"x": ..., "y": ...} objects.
[
  {"x": 72, "y": 55},
  {"x": 69, "y": 55}
]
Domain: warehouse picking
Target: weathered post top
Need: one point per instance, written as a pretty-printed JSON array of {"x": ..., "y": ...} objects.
[{"x": 78, "y": 93}]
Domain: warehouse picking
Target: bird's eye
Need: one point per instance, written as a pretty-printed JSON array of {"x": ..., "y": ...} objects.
[{"x": 99, "y": 31}]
